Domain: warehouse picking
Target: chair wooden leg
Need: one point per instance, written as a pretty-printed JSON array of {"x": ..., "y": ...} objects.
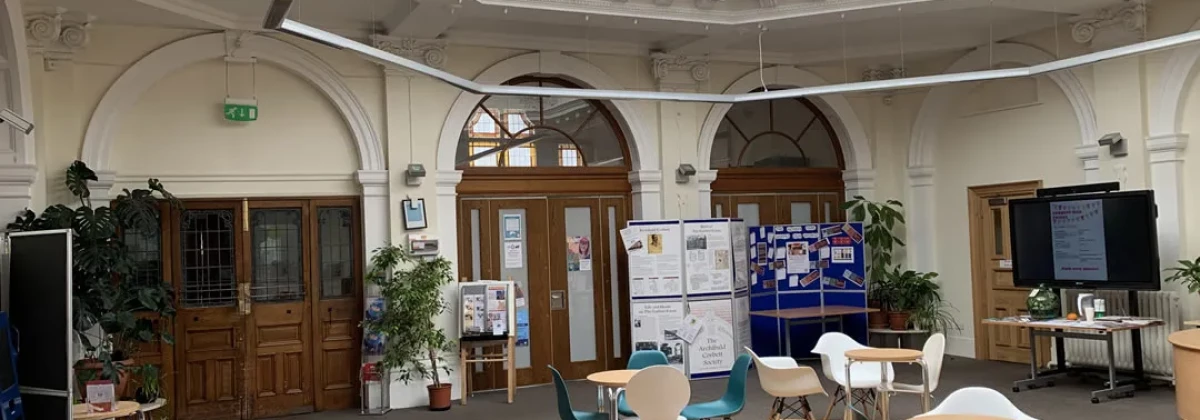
[
  {"x": 838, "y": 395},
  {"x": 808, "y": 412}
]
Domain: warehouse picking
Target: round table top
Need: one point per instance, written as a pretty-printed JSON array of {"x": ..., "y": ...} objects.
[
  {"x": 123, "y": 409},
  {"x": 958, "y": 417},
  {"x": 884, "y": 355},
  {"x": 1188, "y": 339},
  {"x": 612, "y": 378},
  {"x": 153, "y": 405}
]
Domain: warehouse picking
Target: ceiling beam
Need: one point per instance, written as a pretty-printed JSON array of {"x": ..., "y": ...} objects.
[{"x": 424, "y": 20}]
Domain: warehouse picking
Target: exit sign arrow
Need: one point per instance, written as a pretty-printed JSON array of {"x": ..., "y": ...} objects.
[{"x": 241, "y": 109}]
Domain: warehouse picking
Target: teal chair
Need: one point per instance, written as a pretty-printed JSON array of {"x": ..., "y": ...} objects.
[
  {"x": 639, "y": 360},
  {"x": 731, "y": 403},
  {"x": 565, "y": 412}
]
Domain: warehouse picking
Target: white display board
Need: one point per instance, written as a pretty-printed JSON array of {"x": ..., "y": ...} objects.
[
  {"x": 655, "y": 263},
  {"x": 656, "y": 326}
]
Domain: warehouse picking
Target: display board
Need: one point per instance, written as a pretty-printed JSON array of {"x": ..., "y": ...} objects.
[
  {"x": 39, "y": 305},
  {"x": 689, "y": 291},
  {"x": 487, "y": 310},
  {"x": 808, "y": 265}
]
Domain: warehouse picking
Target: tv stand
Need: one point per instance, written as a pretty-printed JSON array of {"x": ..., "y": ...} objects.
[{"x": 1116, "y": 388}]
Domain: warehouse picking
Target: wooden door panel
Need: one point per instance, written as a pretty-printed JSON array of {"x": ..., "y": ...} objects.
[
  {"x": 784, "y": 204},
  {"x": 336, "y": 282},
  {"x": 767, "y": 212},
  {"x": 211, "y": 382},
  {"x": 576, "y": 285},
  {"x": 338, "y": 354},
  {"x": 616, "y": 282}
]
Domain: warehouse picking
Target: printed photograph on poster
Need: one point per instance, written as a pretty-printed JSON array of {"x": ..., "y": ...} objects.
[
  {"x": 842, "y": 254},
  {"x": 759, "y": 270},
  {"x": 656, "y": 326},
  {"x": 374, "y": 309},
  {"x": 854, "y": 234},
  {"x": 821, "y": 244},
  {"x": 674, "y": 352},
  {"x": 697, "y": 242},
  {"x": 794, "y": 280},
  {"x": 512, "y": 227},
  {"x": 832, "y": 282},
  {"x": 823, "y": 264},
  {"x": 763, "y": 256},
  {"x": 373, "y": 343},
  {"x": 579, "y": 253},
  {"x": 810, "y": 278},
  {"x": 769, "y": 284},
  {"x": 474, "y": 313},
  {"x": 656, "y": 244},
  {"x": 514, "y": 255},
  {"x": 779, "y": 264},
  {"x": 632, "y": 241},
  {"x": 523, "y": 327},
  {"x": 689, "y": 330},
  {"x": 831, "y": 231},
  {"x": 797, "y": 257},
  {"x": 721, "y": 259},
  {"x": 852, "y": 276}
]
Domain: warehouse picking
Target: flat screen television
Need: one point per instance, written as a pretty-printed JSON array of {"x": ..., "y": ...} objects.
[{"x": 1086, "y": 241}]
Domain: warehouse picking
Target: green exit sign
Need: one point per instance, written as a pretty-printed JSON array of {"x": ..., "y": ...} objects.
[{"x": 241, "y": 110}]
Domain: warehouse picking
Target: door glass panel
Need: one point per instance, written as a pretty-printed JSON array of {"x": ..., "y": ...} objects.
[
  {"x": 614, "y": 281},
  {"x": 828, "y": 212},
  {"x": 580, "y": 301},
  {"x": 476, "y": 244},
  {"x": 144, "y": 250},
  {"x": 206, "y": 258},
  {"x": 801, "y": 212},
  {"x": 748, "y": 212},
  {"x": 997, "y": 232},
  {"x": 720, "y": 211},
  {"x": 515, "y": 267},
  {"x": 276, "y": 257},
  {"x": 335, "y": 252}
]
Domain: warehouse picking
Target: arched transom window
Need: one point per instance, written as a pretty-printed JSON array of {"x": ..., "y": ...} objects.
[
  {"x": 783, "y": 133},
  {"x": 535, "y": 132}
]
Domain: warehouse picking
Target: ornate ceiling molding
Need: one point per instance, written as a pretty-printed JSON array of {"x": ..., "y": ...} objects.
[
  {"x": 1111, "y": 26},
  {"x": 57, "y": 35},
  {"x": 429, "y": 52},
  {"x": 715, "y": 12},
  {"x": 678, "y": 70}
]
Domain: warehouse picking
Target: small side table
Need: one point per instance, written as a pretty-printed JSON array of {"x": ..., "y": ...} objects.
[
  {"x": 145, "y": 410},
  {"x": 886, "y": 356},
  {"x": 607, "y": 385},
  {"x": 121, "y": 410}
]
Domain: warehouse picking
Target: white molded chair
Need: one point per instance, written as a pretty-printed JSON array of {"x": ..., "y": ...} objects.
[
  {"x": 934, "y": 351},
  {"x": 782, "y": 378},
  {"x": 658, "y": 393},
  {"x": 832, "y": 347},
  {"x": 978, "y": 401}
]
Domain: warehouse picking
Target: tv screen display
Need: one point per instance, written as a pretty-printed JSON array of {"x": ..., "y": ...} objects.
[{"x": 1101, "y": 241}]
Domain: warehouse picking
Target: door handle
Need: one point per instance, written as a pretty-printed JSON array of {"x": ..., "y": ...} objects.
[
  {"x": 558, "y": 300},
  {"x": 244, "y": 298}
]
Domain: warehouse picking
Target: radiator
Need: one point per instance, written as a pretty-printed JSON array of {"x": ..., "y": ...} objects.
[{"x": 1156, "y": 351}]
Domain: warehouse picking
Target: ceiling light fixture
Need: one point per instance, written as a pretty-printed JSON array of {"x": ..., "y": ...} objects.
[{"x": 279, "y": 8}]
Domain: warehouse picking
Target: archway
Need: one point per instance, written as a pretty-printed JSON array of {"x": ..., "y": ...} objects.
[{"x": 832, "y": 113}]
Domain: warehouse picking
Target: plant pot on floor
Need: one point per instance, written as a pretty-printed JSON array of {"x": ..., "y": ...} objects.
[
  {"x": 439, "y": 397},
  {"x": 877, "y": 320},
  {"x": 91, "y": 370},
  {"x": 898, "y": 321}
]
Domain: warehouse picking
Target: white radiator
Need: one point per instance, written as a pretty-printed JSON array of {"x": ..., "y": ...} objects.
[{"x": 1156, "y": 351}]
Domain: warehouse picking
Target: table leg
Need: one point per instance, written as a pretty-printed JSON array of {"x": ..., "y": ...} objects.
[
  {"x": 787, "y": 337},
  {"x": 925, "y": 386},
  {"x": 848, "y": 415},
  {"x": 1139, "y": 371},
  {"x": 601, "y": 402},
  {"x": 613, "y": 401},
  {"x": 883, "y": 391}
]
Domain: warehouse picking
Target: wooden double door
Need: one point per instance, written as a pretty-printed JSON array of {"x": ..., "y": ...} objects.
[
  {"x": 763, "y": 209},
  {"x": 269, "y": 296},
  {"x": 564, "y": 254}
]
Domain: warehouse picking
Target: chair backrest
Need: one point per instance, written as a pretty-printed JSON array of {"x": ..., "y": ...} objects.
[
  {"x": 658, "y": 393},
  {"x": 642, "y": 359},
  {"x": 934, "y": 351},
  {"x": 786, "y": 380},
  {"x": 832, "y": 347},
  {"x": 978, "y": 401},
  {"x": 565, "y": 412},
  {"x": 735, "y": 389}
]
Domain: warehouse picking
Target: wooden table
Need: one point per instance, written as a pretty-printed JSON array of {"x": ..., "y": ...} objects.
[
  {"x": 1062, "y": 329},
  {"x": 884, "y": 357},
  {"x": 467, "y": 356},
  {"x": 1186, "y": 346},
  {"x": 144, "y": 410},
  {"x": 608, "y": 384},
  {"x": 816, "y": 314},
  {"x": 123, "y": 409},
  {"x": 958, "y": 417}
]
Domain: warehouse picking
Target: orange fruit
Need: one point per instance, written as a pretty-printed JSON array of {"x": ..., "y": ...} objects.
[{"x": 1073, "y": 316}]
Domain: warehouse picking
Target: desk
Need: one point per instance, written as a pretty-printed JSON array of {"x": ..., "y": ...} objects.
[
  {"x": 817, "y": 314},
  {"x": 1062, "y": 329},
  {"x": 607, "y": 384},
  {"x": 122, "y": 409}
]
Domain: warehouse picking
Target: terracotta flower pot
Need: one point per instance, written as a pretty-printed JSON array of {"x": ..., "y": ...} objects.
[
  {"x": 876, "y": 320},
  {"x": 439, "y": 397},
  {"x": 898, "y": 321},
  {"x": 92, "y": 368}
]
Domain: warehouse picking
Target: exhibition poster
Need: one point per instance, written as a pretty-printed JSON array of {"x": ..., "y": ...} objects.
[
  {"x": 579, "y": 253},
  {"x": 713, "y": 350},
  {"x": 655, "y": 259},
  {"x": 708, "y": 256},
  {"x": 1077, "y": 229},
  {"x": 741, "y": 245},
  {"x": 741, "y": 305},
  {"x": 656, "y": 326}
]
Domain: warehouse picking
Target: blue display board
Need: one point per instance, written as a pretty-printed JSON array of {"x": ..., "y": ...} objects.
[{"x": 808, "y": 265}]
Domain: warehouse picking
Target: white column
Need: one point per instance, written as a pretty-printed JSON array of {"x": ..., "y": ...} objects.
[
  {"x": 447, "y": 220},
  {"x": 1166, "y": 177},
  {"x": 859, "y": 182},
  {"x": 1090, "y": 156},
  {"x": 102, "y": 188},
  {"x": 704, "y": 180},
  {"x": 16, "y": 190},
  {"x": 647, "y": 194},
  {"x": 921, "y": 217},
  {"x": 376, "y": 224}
]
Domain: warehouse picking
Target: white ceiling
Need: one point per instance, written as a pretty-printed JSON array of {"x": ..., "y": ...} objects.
[{"x": 797, "y": 31}]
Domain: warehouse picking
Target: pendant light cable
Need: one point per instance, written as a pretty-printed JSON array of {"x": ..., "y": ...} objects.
[{"x": 761, "y": 79}]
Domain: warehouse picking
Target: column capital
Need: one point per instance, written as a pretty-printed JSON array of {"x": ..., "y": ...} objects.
[
  {"x": 705, "y": 177},
  {"x": 374, "y": 183},
  {"x": 1166, "y": 147},
  {"x": 101, "y": 188},
  {"x": 646, "y": 181},
  {"x": 677, "y": 72},
  {"x": 447, "y": 182},
  {"x": 920, "y": 176},
  {"x": 428, "y": 52},
  {"x": 57, "y": 35}
]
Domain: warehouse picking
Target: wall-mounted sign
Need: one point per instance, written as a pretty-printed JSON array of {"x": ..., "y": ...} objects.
[{"x": 241, "y": 109}]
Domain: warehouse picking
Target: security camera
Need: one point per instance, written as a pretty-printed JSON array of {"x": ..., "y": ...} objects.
[{"x": 10, "y": 117}]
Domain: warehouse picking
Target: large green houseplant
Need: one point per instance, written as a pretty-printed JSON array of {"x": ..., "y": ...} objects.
[
  {"x": 411, "y": 288},
  {"x": 880, "y": 220},
  {"x": 917, "y": 299},
  {"x": 1187, "y": 274},
  {"x": 108, "y": 296}
]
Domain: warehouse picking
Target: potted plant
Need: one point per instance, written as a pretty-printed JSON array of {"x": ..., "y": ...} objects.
[
  {"x": 149, "y": 384},
  {"x": 108, "y": 297},
  {"x": 912, "y": 292},
  {"x": 880, "y": 220},
  {"x": 411, "y": 288},
  {"x": 1188, "y": 274}
]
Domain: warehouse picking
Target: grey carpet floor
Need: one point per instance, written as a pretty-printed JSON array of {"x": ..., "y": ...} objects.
[{"x": 1070, "y": 399}]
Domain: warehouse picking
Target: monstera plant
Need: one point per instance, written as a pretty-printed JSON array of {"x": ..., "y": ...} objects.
[{"x": 108, "y": 298}]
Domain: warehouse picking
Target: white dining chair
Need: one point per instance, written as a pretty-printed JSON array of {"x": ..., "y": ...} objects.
[
  {"x": 658, "y": 393},
  {"x": 783, "y": 378},
  {"x": 832, "y": 347},
  {"x": 933, "y": 353},
  {"x": 980, "y": 402}
]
